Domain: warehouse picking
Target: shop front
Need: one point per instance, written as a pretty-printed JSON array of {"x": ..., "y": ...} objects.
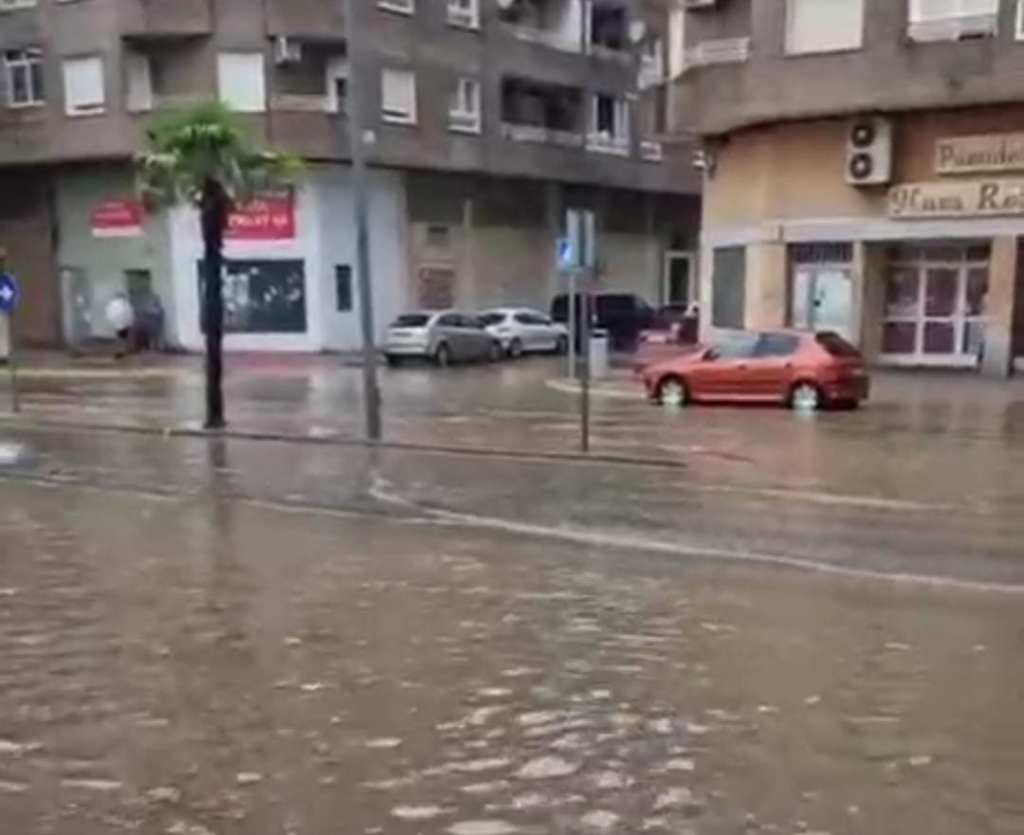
[{"x": 921, "y": 270}]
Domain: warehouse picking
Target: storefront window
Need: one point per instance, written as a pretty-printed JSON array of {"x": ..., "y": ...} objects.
[
  {"x": 902, "y": 293},
  {"x": 899, "y": 338},
  {"x": 939, "y": 338},
  {"x": 940, "y": 292},
  {"x": 977, "y": 290}
]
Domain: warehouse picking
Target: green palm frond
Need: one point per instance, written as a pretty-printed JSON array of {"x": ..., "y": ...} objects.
[{"x": 185, "y": 148}]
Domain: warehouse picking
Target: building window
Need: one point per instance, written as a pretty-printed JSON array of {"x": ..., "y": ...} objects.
[
  {"x": 138, "y": 74},
  {"x": 241, "y": 82},
  {"x": 398, "y": 96},
  {"x": 951, "y": 20},
  {"x": 824, "y": 25},
  {"x": 464, "y": 110},
  {"x": 464, "y": 13},
  {"x": 609, "y": 124},
  {"x": 83, "y": 86},
  {"x": 406, "y": 7},
  {"x": 343, "y": 288},
  {"x": 23, "y": 74},
  {"x": 12, "y": 5},
  {"x": 729, "y": 287},
  {"x": 260, "y": 296},
  {"x": 337, "y": 85}
]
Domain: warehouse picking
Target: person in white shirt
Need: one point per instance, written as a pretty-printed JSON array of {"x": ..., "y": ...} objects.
[{"x": 121, "y": 318}]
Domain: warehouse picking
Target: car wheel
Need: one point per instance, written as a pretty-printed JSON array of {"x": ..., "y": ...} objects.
[
  {"x": 805, "y": 397},
  {"x": 672, "y": 391},
  {"x": 494, "y": 354},
  {"x": 515, "y": 349},
  {"x": 392, "y": 360},
  {"x": 443, "y": 356},
  {"x": 562, "y": 345}
]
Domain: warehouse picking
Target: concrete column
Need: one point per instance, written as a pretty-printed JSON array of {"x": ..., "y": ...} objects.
[
  {"x": 766, "y": 292},
  {"x": 999, "y": 307},
  {"x": 5, "y": 338},
  {"x": 869, "y": 298}
]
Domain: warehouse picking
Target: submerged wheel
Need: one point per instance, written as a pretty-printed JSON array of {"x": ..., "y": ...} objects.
[
  {"x": 805, "y": 397},
  {"x": 672, "y": 391}
]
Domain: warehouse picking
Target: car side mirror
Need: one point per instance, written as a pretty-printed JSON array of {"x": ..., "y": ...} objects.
[{"x": 711, "y": 355}]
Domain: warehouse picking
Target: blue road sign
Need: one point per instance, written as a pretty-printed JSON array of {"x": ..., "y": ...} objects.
[
  {"x": 9, "y": 293},
  {"x": 565, "y": 254}
]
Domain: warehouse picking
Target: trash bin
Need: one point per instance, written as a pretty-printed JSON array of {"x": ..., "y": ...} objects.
[{"x": 598, "y": 354}]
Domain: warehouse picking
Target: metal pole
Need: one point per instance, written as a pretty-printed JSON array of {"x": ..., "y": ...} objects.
[
  {"x": 12, "y": 364},
  {"x": 357, "y": 140},
  {"x": 585, "y": 371},
  {"x": 573, "y": 324}
]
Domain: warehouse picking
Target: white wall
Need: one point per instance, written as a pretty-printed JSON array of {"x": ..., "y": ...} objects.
[
  {"x": 325, "y": 237},
  {"x": 388, "y": 252}
]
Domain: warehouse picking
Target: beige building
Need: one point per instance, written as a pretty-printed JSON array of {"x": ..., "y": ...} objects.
[{"x": 864, "y": 172}]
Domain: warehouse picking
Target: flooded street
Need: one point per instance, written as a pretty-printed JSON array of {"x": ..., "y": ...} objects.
[{"x": 248, "y": 637}]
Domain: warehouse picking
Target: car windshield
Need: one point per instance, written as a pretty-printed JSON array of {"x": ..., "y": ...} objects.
[
  {"x": 411, "y": 320},
  {"x": 837, "y": 346},
  {"x": 492, "y": 318}
]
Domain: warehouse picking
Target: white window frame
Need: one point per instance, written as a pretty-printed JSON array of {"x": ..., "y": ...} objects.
[
  {"x": 391, "y": 114},
  {"x": 91, "y": 105},
  {"x": 16, "y": 5},
  {"x": 1019, "y": 33},
  {"x": 27, "y": 58},
  {"x": 464, "y": 14},
  {"x": 403, "y": 7},
  {"x": 337, "y": 69},
  {"x": 967, "y": 22},
  {"x": 255, "y": 100},
  {"x": 462, "y": 118},
  {"x": 138, "y": 82},
  {"x": 848, "y": 46},
  {"x": 616, "y": 141}
]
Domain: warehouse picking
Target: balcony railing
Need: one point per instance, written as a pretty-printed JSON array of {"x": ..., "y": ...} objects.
[
  {"x": 463, "y": 122},
  {"x": 562, "y": 41},
  {"x": 651, "y": 150},
  {"x": 301, "y": 103},
  {"x": 604, "y": 143},
  {"x": 724, "y": 51},
  {"x": 954, "y": 28},
  {"x": 542, "y": 135}
]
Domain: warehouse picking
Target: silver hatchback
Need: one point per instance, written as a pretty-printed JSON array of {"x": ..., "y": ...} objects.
[{"x": 443, "y": 336}]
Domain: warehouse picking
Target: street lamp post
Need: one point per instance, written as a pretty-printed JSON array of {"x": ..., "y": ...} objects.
[{"x": 358, "y": 139}]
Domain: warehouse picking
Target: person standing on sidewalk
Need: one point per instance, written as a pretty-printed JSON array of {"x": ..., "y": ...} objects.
[{"x": 121, "y": 319}]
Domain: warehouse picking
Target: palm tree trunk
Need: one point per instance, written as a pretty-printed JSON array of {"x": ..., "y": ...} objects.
[{"x": 213, "y": 209}]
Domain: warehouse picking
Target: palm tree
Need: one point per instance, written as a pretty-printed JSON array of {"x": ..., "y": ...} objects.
[{"x": 203, "y": 155}]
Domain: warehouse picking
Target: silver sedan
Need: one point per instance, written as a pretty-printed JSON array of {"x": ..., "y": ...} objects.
[{"x": 443, "y": 336}]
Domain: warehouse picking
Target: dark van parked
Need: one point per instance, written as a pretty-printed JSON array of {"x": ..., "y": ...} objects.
[{"x": 622, "y": 315}]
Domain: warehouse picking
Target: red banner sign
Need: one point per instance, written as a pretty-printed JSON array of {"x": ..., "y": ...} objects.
[
  {"x": 118, "y": 218},
  {"x": 268, "y": 217}
]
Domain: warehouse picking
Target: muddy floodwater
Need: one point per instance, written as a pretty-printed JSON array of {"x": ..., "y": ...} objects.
[{"x": 192, "y": 664}]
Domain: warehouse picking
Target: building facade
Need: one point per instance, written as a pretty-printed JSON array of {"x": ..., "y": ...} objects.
[
  {"x": 864, "y": 171},
  {"x": 483, "y": 122}
]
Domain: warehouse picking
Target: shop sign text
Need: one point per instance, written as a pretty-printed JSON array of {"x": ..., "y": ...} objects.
[
  {"x": 976, "y": 198},
  {"x": 977, "y": 154},
  {"x": 116, "y": 218},
  {"x": 267, "y": 217}
]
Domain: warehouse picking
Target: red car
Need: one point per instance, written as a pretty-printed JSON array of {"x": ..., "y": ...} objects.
[{"x": 795, "y": 368}]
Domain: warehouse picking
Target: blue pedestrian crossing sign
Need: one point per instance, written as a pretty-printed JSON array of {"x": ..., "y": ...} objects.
[
  {"x": 9, "y": 293},
  {"x": 565, "y": 254}
]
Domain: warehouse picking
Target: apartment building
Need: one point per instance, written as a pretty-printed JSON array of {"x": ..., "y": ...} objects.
[
  {"x": 483, "y": 121},
  {"x": 864, "y": 170}
]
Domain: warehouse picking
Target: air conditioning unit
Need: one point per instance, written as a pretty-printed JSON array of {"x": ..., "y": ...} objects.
[
  {"x": 287, "y": 51},
  {"x": 699, "y": 4},
  {"x": 869, "y": 151}
]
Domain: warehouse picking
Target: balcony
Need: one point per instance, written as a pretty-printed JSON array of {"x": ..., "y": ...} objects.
[
  {"x": 301, "y": 103},
  {"x": 556, "y": 24},
  {"x": 722, "y": 51},
  {"x": 543, "y": 113},
  {"x": 157, "y": 19}
]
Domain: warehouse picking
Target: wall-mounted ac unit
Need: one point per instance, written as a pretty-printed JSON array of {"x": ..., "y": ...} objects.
[
  {"x": 287, "y": 51},
  {"x": 869, "y": 151}
]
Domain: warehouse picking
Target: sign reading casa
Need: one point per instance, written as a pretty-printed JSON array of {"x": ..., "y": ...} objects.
[{"x": 957, "y": 199}]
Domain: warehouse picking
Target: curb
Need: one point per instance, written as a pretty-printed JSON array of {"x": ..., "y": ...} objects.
[{"x": 22, "y": 422}]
